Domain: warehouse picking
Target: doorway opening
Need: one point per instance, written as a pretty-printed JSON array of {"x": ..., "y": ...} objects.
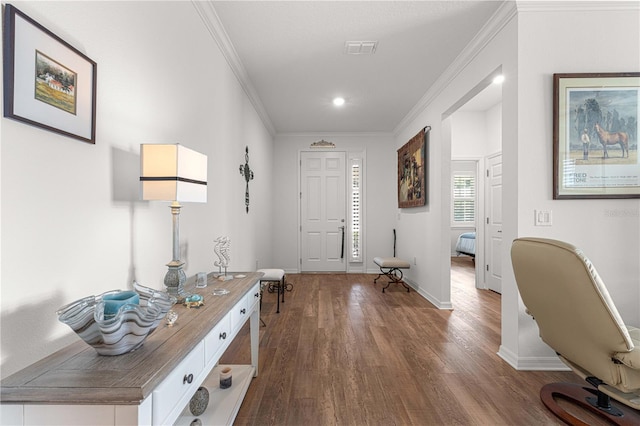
[
  {"x": 464, "y": 212},
  {"x": 475, "y": 132}
]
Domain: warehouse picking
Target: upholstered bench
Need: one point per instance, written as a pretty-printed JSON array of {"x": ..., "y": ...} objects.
[
  {"x": 276, "y": 280},
  {"x": 392, "y": 268}
]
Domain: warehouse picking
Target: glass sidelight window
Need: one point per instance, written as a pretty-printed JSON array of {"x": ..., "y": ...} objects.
[{"x": 356, "y": 210}]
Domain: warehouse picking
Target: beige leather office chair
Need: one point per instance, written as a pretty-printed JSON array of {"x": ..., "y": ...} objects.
[{"x": 563, "y": 292}]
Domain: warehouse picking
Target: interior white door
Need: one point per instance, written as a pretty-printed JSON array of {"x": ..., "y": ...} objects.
[
  {"x": 493, "y": 223},
  {"x": 323, "y": 211}
]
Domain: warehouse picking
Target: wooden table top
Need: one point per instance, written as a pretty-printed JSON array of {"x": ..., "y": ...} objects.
[{"x": 76, "y": 374}]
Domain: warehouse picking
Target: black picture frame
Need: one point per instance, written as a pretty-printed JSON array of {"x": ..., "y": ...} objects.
[{"x": 47, "y": 82}]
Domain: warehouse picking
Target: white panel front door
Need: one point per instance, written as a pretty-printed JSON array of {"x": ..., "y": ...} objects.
[
  {"x": 494, "y": 223},
  {"x": 323, "y": 211}
]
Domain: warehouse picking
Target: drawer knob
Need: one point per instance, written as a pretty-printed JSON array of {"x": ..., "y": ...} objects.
[
  {"x": 243, "y": 311},
  {"x": 188, "y": 378},
  {"x": 223, "y": 335}
]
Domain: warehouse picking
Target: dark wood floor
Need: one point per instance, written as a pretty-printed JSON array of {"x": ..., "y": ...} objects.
[{"x": 341, "y": 352}]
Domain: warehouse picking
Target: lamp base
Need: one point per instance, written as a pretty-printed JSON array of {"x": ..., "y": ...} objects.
[{"x": 175, "y": 279}]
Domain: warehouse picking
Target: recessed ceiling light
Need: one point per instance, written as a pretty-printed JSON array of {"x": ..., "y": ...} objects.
[
  {"x": 498, "y": 79},
  {"x": 338, "y": 101}
]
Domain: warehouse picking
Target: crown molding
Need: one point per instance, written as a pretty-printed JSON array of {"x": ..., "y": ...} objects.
[
  {"x": 508, "y": 10},
  {"x": 213, "y": 24},
  {"x": 577, "y": 5},
  {"x": 334, "y": 134},
  {"x": 496, "y": 23}
]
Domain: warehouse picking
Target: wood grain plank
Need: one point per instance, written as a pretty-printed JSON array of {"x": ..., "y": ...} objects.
[{"x": 353, "y": 355}]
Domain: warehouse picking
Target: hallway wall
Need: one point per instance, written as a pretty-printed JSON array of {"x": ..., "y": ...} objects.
[
  {"x": 380, "y": 193},
  {"x": 610, "y": 240},
  {"x": 522, "y": 53},
  {"x": 72, "y": 221}
]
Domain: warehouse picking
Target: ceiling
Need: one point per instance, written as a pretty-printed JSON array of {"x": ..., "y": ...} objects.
[{"x": 293, "y": 56}]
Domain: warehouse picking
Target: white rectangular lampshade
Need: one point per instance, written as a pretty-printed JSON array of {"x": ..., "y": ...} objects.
[{"x": 172, "y": 172}]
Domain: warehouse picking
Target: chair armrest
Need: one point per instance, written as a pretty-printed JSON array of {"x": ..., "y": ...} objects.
[{"x": 632, "y": 358}]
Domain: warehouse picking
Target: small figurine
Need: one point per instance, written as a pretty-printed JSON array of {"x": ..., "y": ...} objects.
[
  {"x": 194, "y": 301},
  {"x": 221, "y": 249},
  {"x": 171, "y": 317}
]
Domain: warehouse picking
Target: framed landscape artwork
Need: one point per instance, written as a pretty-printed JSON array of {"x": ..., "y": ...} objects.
[
  {"x": 47, "y": 82},
  {"x": 412, "y": 171},
  {"x": 595, "y": 135}
]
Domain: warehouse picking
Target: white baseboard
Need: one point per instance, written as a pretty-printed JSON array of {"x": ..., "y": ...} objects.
[
  {"x": 552, "y": 363},
  {"x": 434, "y": 301},
  {"x": 356, "y": 270}
]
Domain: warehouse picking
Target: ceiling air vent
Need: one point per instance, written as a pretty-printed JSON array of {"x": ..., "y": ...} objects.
[{"x": 360, "y": 47}]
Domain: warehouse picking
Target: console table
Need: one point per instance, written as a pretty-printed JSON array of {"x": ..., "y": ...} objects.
[{"x": 151, "y": 385}]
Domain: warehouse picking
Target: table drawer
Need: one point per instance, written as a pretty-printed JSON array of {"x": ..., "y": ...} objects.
[
  {"x": 239, "y": 314},
  {"x": 217, "y": 339},
  {"x": 170, "y": 397},
  {"x": 253, "y": 297}
]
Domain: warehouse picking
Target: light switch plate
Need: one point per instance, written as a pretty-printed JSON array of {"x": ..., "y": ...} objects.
[{"x": 543, "y": 217}]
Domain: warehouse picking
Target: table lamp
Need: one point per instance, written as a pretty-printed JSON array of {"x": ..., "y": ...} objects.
[{"x": 172, "y": 172}]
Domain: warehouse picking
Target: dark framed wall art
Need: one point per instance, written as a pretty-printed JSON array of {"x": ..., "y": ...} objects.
[
  {"x": 595, "y": 135},
  {"x": 412, "y": 171},
  {"x": 47, "y": 82}
]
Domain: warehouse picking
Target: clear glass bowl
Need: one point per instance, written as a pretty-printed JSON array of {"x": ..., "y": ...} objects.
[
  {"x": 123, "y": 332},
  {"x": 163, "y": 300}
]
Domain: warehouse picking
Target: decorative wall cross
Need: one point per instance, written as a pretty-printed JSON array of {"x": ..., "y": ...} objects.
[{"x": 248, "y": 175}]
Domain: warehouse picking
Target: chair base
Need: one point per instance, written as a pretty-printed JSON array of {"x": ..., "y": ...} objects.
[{"x": 589, "y": 399}]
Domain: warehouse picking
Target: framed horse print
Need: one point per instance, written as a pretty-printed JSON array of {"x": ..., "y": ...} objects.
[{"x": 595, "y": 135}]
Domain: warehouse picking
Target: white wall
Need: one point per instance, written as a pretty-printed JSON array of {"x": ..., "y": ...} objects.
[
  {"x": 610, "y": 241},
  {"x": 528, "y": 57},
  {"x": 432, "y": 223},
  {"x": 72, "y": 223},
  {"x": 469, "y": 135},
  {"x": 493, "y": 119},
  {"x": 380, "y": 192}
]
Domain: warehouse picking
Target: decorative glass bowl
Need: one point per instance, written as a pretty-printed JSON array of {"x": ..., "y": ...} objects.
[
  {"x": 163, "y": 300},
  {"x": 118, "y": 333}
]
